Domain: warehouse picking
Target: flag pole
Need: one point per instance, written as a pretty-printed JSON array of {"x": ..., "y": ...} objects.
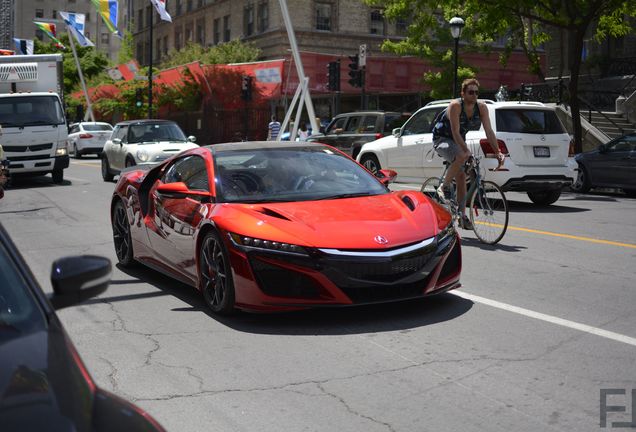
[{"x": 81, "y": 75}]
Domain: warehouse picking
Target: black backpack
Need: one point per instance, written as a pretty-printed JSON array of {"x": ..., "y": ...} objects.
[{"x": 441, "y": 125}]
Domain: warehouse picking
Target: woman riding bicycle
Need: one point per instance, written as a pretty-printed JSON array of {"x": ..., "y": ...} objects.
[{"x": 449, "y": 140}]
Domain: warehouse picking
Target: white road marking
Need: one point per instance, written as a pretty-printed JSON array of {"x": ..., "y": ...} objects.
[
  {"x": 75, "y": 179},
  {"x": 548, "y": 318}
]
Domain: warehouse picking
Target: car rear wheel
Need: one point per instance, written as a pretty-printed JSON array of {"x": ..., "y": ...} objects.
[
  {"x": 121, "y": 235},
  {"x": 544, "y": 198},
  {"x": 582, "y": 182},
  {"x": 371, "y": 163},
  {"x": 215, "y": 275},
  {"x": 106, "y": 174},
  {"x": 76, "y": 153}
]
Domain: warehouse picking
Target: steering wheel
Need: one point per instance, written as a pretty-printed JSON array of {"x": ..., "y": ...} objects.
[
  {"x": 305, "y": 182},
  {"x": 241, "y": 183}
]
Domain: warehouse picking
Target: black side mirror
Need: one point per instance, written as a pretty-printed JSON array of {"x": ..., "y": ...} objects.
[
  {"x": 78, "y": 278},
  {"x": 602, "y": 148}
]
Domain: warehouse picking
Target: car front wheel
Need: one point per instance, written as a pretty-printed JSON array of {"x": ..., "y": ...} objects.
[
  {"x": 370, "y": 162},
  {"x": 544, "y": 198},
  {"x": 215, "y": 275},
  {"x": 106, "y": 174},
  {"x": 582, "y": 182},
  {"x": 122, "y": 237}
]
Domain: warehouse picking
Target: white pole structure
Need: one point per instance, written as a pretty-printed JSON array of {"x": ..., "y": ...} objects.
[
  {"x": 81, "y": 76},
  {"x": 303, "y": 81}
]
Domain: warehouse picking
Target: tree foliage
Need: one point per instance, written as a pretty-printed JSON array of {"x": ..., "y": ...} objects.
[
  {"x": 230, "y": 52},
  {"x": 523, "y": 23}
]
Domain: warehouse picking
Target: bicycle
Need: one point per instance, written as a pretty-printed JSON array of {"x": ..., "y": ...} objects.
[{"x": 488, "y": 207}]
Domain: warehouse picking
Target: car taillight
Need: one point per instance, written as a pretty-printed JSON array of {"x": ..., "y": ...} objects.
[
  {"x": 379, "y": 135},
  {"x": 487, "y": 149},
  {"x": 571, "y": 152},
  {"x": 85, "y": 136}
]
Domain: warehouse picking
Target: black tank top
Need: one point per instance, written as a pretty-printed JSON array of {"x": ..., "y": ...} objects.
[{"x": 442, "y": 127}]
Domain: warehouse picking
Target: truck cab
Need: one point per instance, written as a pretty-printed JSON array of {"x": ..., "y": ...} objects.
[{"x": 34, "y": 128}]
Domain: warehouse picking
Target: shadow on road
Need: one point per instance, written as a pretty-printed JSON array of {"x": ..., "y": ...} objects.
[
  {"x": 323, "y": 321},
  {"x": 528, "y": 207},
  {"x": 18, "y": 183},
  {"x": 474, "y": 242}
]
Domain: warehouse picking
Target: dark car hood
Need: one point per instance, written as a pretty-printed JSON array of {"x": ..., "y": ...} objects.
[{"x": 41, "y": 384}]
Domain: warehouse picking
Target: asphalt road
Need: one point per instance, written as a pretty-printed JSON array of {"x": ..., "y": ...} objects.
[{"x": 543, "y": 323}]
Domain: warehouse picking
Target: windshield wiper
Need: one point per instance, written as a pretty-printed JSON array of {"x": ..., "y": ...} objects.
[{"x": 347, "y": 195}]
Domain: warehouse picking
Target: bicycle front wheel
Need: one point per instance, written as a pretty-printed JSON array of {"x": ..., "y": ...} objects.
[
  {"x": 489, "y": 212},
  {"x": 429, "y": 188}
]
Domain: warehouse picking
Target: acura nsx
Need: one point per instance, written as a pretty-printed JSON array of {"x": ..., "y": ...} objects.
[{"x": 267, "y": 226}]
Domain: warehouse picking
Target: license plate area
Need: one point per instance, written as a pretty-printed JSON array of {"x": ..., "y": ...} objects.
[{"x": 541, "y": 151}]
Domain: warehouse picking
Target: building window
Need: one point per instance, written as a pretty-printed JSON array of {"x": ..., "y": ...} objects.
[
  {"x": 188, "y": 35},
  {"x": 148, "y": 16},
  {"x": 39, "y": 34},
  {"x": 140, "y": 50},
  {"x": 226, "y": 28},
  {"x": 165, "y": 45},
  {"x": 140, "y": 19},
  {"x": 189, "y": 6},
  {"x": 201, "y": 33},
  {"x": 248, "y": 20},
  {"x": 39, "y": 13},
  {"x": 179, "y": 7},
  {"x": 401, "y": 26},
  {"x": 158, "y": 49},
  {"x": 217, "y": 30},
  {"x": 200, "y": 3},
  {"x": 323, "y": 16},
  {"x": 87, "y": 34},
  {"x": 263, "y": 16},
  {"x": 377, "y": 22},
  {"x": 54, "y": 14},
  {"x": 105, "y": 38}
]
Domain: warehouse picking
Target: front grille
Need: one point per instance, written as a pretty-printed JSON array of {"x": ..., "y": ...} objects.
[
  {"x": 391, "y": 271},
  {"x": 280, "y": 282},
  {"x": 29, "y": 148},
  {"x": 27, "y": 158},
  {"x": 373, "y": 294}
]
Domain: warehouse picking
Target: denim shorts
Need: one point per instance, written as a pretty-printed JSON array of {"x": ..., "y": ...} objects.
[{"x": 446, "y": 148}]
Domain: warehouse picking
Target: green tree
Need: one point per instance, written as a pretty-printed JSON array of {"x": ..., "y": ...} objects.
[
  {"x": 524, "y": 22},
  {"x": 127, "y": 50},
  {"x": 230, "y": 52}
]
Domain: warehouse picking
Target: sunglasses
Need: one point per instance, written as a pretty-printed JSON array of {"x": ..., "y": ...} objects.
[{"x": 473, "y": 92}]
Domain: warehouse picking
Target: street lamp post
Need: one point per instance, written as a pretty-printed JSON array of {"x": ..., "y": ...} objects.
[{"x": 456, "y": 26}]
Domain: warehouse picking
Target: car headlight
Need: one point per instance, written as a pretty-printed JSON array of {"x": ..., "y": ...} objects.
[
  {"x": 143, "y": 155},
  {"x": 268, "y": 245},
  {"x": 61, "y": 149}
]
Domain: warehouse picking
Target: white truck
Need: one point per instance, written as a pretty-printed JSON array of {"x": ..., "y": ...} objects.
[{"x": 34, "y": 128}]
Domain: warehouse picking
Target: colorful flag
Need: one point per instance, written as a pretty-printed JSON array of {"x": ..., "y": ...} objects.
[
  {"x": 49, "y": 29},
  {"x": 160, "y": 6},
  {"x": 108, "y": 9},
  {"x": 23, "y": 46},
  {"x": 75, "y": 23}
]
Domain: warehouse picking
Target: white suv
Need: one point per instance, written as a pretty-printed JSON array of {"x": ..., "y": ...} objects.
[{"x": 529, "y": 133}]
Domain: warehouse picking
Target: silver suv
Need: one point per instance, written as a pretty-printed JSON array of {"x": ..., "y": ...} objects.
[{"x": 529, "y": 133}]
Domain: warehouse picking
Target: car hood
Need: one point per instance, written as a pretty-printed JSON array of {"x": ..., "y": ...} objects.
[
  {"x": 165, "y": 146},
  {"x": 42, "y": 386},
  {"x": 349, "y": 223}
]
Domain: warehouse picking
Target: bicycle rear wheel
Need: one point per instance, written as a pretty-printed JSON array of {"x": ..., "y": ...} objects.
[
  {"x": 489, "y": 212},
  {"x": 429, "y": 188}
]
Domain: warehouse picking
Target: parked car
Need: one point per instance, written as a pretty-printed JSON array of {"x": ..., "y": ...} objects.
[
  {"x": 349, "y": 131},
  {"x": 140, "y": 142},
  {"x": 610, "y": 165},
  {"x": 43, "y": 383},
  {"x": 530, "y": 134},
  {"x": 271, "y": 226},
  {"x": 87, "y": 138}
]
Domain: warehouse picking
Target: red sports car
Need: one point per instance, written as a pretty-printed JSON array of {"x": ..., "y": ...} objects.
[{"x": 279, "y": 226}]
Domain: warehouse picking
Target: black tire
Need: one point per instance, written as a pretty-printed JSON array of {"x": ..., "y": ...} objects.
[
  {"x": 129, "y": 162},
  {"x": 630, "y": 192},
  {"x": 582, "y": 182},
  {"x": 58, "y": 176},
  {"x": 107, "y": 175},
  {"x": 544, "y": 198},
  {"x": 370, "y": 162},
  {"x": 489, "y": 213},
  {"x": 215, "y": 275},
  {"x": 429, "y": 188},
  {"x": 121, "y": 235},
  {"x": 76, "y": 153}
]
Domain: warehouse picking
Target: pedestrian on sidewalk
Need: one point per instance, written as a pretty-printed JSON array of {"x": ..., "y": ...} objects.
[{"x": 273, "y": 129}]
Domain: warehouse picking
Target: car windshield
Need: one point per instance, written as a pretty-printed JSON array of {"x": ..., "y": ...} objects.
[
  {"x": 19, "y": 312},
  {"x": 92, "y": 127},
  {"x": 290, "y": 174},
  {"x": 31, "y": 111},
  {"x": 530, "y": 121},
  {"x": 155, "y": 132}
]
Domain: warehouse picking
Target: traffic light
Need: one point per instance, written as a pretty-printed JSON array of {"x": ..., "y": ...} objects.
[
  {"x": 333, "y": 76},
  {"x": 139, "y": 97},
  {"x": 246, "y": 88},
  {"x": 355, "y": 74}
]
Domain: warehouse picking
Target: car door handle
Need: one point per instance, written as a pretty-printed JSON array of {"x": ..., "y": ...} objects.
[{"x": 421, "y": 141}]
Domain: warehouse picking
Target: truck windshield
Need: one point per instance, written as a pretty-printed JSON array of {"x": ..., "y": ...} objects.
[{"x": 31, "y": 111}]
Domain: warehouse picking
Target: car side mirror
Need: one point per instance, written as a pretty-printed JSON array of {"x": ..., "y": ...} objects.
[
  {"x": 117, "y": 141},
  {"x": 386, "y": 176},
  {"x": 179, "y": 190},
  {"x": 397, "y": 132},
  {"x": 78, "y": 278},
  {"x": 192, "y": 138},
  {"x": 602, "y": 148}
]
